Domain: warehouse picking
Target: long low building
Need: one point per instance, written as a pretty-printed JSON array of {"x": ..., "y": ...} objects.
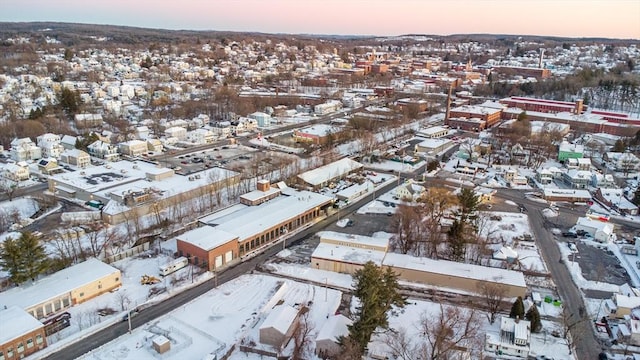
[
  {"x": 439, "y": 273},
  {"x": 241, "y": 230},
  {"x": 323, "y": 175},
  {"x": 63, "y": 289}
]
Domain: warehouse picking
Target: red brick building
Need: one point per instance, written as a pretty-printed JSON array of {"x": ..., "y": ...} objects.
[
  {"x": 20, "y": 334},
  {"x": 542, "y": 105},
  {"x": 489, "y": 115}
]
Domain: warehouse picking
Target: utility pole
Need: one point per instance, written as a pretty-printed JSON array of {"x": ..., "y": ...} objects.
[{"x": 129, "y": 318}]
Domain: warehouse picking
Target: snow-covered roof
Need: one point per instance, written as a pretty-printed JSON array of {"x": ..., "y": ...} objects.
[
  {"x": 15, "y": 323},
  {"x": 431, "y": 131},
  {"x": 258, "y": 194},
  {"x": 583, "y": 194},
  {"x": 334, "y": 327},
  {"x": 354, "y": 240},
  {"x": 354, "y": 189},
  {"x": 568, "y": 147},
  {"x": 330, "y": 171},
  {"x": 348, "y": 254},
  {"x": 318, "y": 130},
  {"x": 57, "y": 284},
  {"x": 207, "y": 237},
  {"x": 251, "y": 220},
  {"x": 434, "y": 143},
  {"x": 456, "y": 269},
  {"x": 280, "y": 318},
  {"x": 628, "y": 302},
  {"x": 597, "y": 225}
]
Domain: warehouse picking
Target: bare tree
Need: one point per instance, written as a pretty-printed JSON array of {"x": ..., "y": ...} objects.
[
  {"x": 9, "y": 187},
  {"x": 123, "y": 300},
  {"x": 405, "y": 225},
  {"x": 302, "y": 337},
  {"x": 434, "y": 205},
  {"x": 493, "y": 294},
  {"x": 448, "y": 331}
]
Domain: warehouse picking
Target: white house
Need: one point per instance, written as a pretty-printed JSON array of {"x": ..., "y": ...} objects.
[
  {"x": 133, "y": 147},
  {"x": 327, "y": 339},
  {"x": 201, "y": 136},
  {"x": 600, "y": 231},
  {"x": 623, "y": 162},
  {"x": 24, "y": 149},
  {"x": 544, "y": 176},
  {"x": 76, "y": 157},
  {"x": 409, "y": 191},
  {"x": 16, "y": 172},
  {"x": 142, "y": 133},
  {"x": 50, "y": 145},
  {"x": 103, "y": 150},
  {"x": 514, "y": 338},
  {"x": 177, "y": 132}
]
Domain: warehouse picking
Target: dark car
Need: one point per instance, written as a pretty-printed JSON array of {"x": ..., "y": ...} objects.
[
  {"x": 350, "y": 223},
  {"x": 569, "y": 234}
]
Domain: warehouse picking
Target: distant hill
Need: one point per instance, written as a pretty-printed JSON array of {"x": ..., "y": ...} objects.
[{"x": 74, "y": 34}]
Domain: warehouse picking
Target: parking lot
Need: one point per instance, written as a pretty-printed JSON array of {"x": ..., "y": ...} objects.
[{"x": 600, "y": 265}]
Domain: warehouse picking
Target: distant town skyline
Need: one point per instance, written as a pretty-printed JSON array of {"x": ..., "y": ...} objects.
[{"x": 562, "y": 18}]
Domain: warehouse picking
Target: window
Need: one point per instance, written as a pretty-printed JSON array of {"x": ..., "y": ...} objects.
[
  {"x": 1, "y": 355},
  {"x": 20, "y": 347},
  {"x": 65, "y": 302},
  {"x": 81, "y": 294},
  {"x": 38, "y": 339},
  {"x": 57, "y": 305},
  {"x": 10, "y": 352},
  {"x": 99, "y": 286},
  {"x": 49, "y": 308},
  {"x": 29, "y": 343},
  {"x": 118, "y": 279}
]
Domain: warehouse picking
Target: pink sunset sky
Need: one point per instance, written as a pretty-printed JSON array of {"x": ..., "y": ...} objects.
[{"x": 571, "y": 18}]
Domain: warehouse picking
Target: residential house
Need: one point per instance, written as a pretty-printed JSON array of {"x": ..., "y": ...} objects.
[
  {"x": 409, "y": 191},
  {"x": 76, "y": 157},
  {"x": 154, "y": 145},
  {"x": 621, "y": 305},
  {"x": 464, "y": 167},
  {"x": 16, "y": 172},
  {"x": 48, "y": 166},
  {"x": 243, "y": 125},
  {"x": 88, "y": 120},
  {"x": 222, "y": 129},
  {"x": 544, "y": 176},
  {"x": 512, "y": 177},
  {"x": 177, "y": 132},
  {"x": 484, "y": 194},
  {"x": 24, "y": 149},
  {"x": 603, "y": 180},
  {"x": 514, "y": 338},
  {"x": 624, "y": 162},
  {"x": 50, "y": 145},
  {"x": 615, "y": 199},
  {"x": 68, "y": 142},
  {"x": 568, "y": 151},
  {"x": 579, "y": 163},
  {"x": 201, "y": 136},
  {"x": 103, "y": 150},
  {"x": 133, "y": 147},
  {"x": 577, "y": 179},
  {"x": 142, "y": 132},
  {"x": 261, "y": 118}
]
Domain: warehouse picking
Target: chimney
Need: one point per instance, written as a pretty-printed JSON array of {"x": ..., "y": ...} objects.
[
  {"x": 540, "y": 63},
  {"x": 446, "y": 115},
  {"x": 263, "y": 185}
]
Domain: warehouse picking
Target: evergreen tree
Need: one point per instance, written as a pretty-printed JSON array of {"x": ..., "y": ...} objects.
[
  {"x": 457, "y": 240},
  {"x": 619, "y": 146},
  {"x": 35, "y": 261},
  {"x": 378, "y": 292},
  {"x": 23, "y": 258},
  {"x": 11, "y": 260},
  {"x": 468, "y": 205},
  {"x": 69, "y": 101},
  {"x": 534, "y": 317},
  {"x": 517, "y": 309}
]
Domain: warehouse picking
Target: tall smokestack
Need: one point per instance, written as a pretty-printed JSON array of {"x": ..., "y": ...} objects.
[
  {"x": 446, "y": 115},
  {"x": 540, "y": 63}
]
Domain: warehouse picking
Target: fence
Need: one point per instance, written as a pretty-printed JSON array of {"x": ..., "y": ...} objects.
[{"x": 128, "y": 253}]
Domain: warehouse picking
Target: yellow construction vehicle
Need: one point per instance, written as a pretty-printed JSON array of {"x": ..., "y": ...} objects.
[{"x": 149, "y": 280}]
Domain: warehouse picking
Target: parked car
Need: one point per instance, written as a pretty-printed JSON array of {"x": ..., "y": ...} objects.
[
  {"x": 570, "y": 234},
  {"x": 350, "y": 223}
]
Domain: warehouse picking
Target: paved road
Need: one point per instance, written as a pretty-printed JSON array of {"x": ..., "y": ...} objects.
[
  {"x": 585, "y": 341},
  {"x": 149, "y": 314},
  {"x": 36, "y": 189}
]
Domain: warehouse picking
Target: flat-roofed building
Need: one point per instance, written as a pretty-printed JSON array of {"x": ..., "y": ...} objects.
[
  {"x": 63, "y": 289},
  {"x": 322, "y": 176},
  {"x": 433, "y": 132},
  {"x": 352, "y": 240},
  {"x": 433, "y": 146},
  {"x": 209, "y": 247},
  {"x": 20, "y": 334},
  {"x": 490, "y": 115}
]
